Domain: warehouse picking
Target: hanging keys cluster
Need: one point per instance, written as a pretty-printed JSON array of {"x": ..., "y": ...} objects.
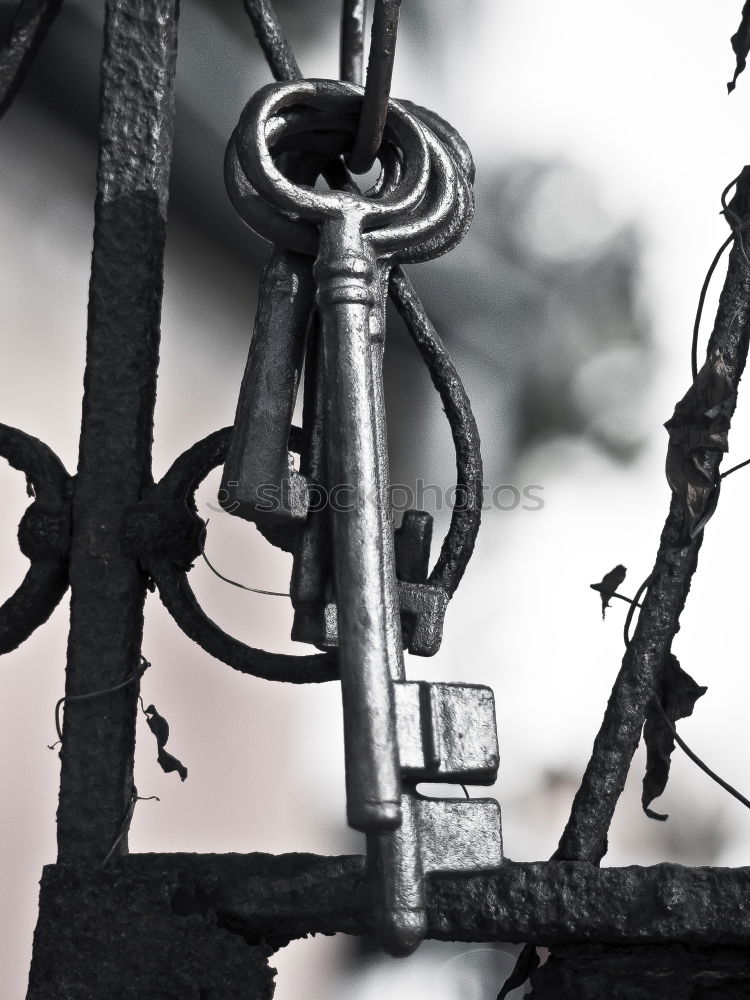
[{"x": 321, "y": 306}]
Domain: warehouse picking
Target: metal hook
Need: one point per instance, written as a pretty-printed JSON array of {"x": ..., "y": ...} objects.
[
  {"x": 352, "y": 41},
  {"x": 378, "y": 85}
]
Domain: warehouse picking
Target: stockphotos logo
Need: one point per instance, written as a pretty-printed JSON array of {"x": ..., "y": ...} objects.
[{"x": 345, "y": 497}]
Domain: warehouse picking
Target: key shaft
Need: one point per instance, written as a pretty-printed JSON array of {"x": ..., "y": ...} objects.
[{"x": 348, "y": 289}]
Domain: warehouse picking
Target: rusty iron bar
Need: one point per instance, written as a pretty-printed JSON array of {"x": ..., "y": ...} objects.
[
  {"x": 585, "y": 834},
  {"x": 21, "y": 44},
  {"x": 107, "y": 586},
  {"x": 277, "y": 898}
]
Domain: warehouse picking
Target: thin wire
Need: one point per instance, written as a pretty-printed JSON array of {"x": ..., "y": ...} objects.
[
  {"x": 740, "y": 465},
  {"x": 737, "y": 230},
  {"x": 696, "y": 759},
  {"x": 631, "y": 611},
  {"x": 702, "y": 300},
  {"x": 226, "y": 579},
  {"x": 136, "y": 675},
  {"x": 738, "y": 227},
  {"x": 613, "y": 593},
  {"x": 127, "y": 819}
]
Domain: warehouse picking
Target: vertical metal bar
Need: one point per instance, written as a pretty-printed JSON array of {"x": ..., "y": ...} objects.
[
  {"x": 377, "y": 85},
  {"x": 108, "y": 588},
  {"x": 353, "y": 41}
]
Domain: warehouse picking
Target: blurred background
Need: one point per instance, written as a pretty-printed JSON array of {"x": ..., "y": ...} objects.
[{"x": 603, "y": 138}]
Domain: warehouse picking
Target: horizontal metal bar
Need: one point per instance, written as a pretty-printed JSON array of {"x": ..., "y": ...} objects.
[{"x": 284, "y": 897}]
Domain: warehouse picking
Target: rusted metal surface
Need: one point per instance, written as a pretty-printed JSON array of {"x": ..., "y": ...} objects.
[
  {"x": 191, "y": 925},
  {"x": 43, "y": 537},
  {"x": 107, "y": 586},
  {"x": 585, "y": 835},
  {"x": 278, "y": 898},
  {"x": 24, "y": 37}
]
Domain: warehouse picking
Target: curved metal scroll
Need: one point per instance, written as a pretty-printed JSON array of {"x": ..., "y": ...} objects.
[
  {"x": 179, "y": 485},
  {"x": 43, "y": 537}
]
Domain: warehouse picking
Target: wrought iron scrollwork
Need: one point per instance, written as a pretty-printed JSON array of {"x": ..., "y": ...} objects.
[
  {"x": 43, "y": 536},
  {"x": 172, "y": 504}
]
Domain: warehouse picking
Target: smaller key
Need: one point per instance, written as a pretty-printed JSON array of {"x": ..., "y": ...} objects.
[
  {"x": 311, "y": 571},
  {"x": 258, "y": 482}
]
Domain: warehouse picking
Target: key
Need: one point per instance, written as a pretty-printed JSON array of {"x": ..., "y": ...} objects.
[
  {"x": 422, "y": 607},
  {"x": 258, "y": 482},
  {"x": 445, "y": 731},
  {"x": 354, "y": 233},
  {"x": 311, "y": 572}
]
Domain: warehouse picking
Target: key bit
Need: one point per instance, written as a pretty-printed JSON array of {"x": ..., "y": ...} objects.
[
  {"x": 447, "y": 732},
  {"x": 412, "y": 542},
  {"x": 437, "y": 837}
]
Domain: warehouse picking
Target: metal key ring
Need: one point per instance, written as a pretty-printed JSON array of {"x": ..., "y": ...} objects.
[
  {"x": 444, "y": 215},
  {"x": 264, "y": 219},
  {"x": 261, "y": 115},
  {"x": 284, "y": 228}
]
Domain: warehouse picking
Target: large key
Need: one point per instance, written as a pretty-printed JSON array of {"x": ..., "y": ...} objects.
[
  {"x": 354, "y": 234},
  {"x": 422, "y": 209},
  {"x": 421, "y": 606}
]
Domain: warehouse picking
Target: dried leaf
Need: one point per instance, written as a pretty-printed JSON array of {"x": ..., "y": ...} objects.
[
  {"x": 160, "y": 728},
  {"x": 678, "y": 693},
  {"x": 741, "y": 45},
  {"x": 169, "y": 763},
  {"x": 609, "y": 584},
  {"x": 158, "y": 725},
  {"x": 698, "y": 434}
]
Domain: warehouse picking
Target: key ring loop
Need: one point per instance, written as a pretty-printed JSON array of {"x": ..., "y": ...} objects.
[{"x": 261, "y": 125}]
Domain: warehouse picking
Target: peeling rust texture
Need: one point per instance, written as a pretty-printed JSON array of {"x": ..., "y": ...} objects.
[
  {"x": 585, "y": 836},
  {"x": 274, "y": 899},
  {"x": 43, "y": 536},
  {"x": 108, "y": 588},
  {"x": 120, "y": 935},
  {"x": 669, "y": 972}
]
